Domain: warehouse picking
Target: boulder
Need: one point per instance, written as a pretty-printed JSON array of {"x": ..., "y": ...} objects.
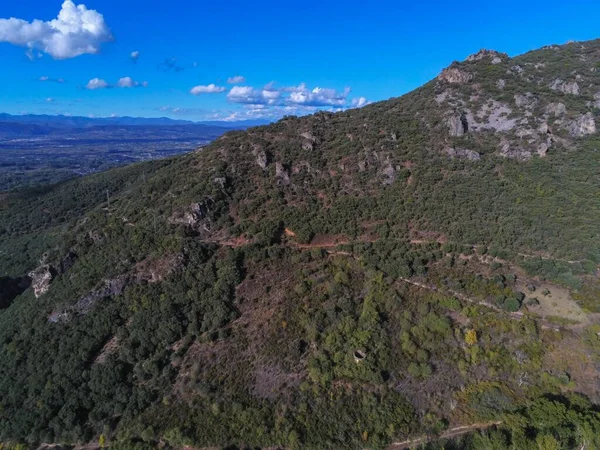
[
  {"x": 509, "y": 151},
  {"x": 565, "y": 87},
  {"x": 388, "y": 171},
  {"x": 556, "y": 109},
  {"x": 526, "y": 100},
  {"x": 494, "y": 56},
  {"x": 582, "y": 126},
  {"x": 282, "y": 174},
  {"x": 457, "y": 124},
  {"x": 463, "y": 153},
  {"x": 41, "y": 279},
  {"x": 453, "y": 75},
  {"x": 262, "y": 159}
]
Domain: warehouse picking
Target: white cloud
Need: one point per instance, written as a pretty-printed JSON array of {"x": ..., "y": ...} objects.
[
  {"x": 134, "y": 56},
  {"x": 52, "y": 80},
  {"x": 210, "y": 89},
  {"x": 97, "y": 83},
  {"x": 359, "y": 102},
  {"x": 251, "y": 96},
  {"x": 236, "y": 80},
  {"x": 125, "y": 82},
  {"x": 49, "y": 100},
  {"x": 289, "y": 96},
  {"x": 318, "y": 96},
  {"x": 76, "y": 31},
  {"x": 128, "y": 82}
]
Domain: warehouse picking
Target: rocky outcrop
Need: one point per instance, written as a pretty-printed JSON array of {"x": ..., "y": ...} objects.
[
  {"x": 41, "y": 279},
  {"x": 463, "y": 153},
  {"x": 84, "y": 305},
  {"x": 493, "y": 56},
  {"x": 565, "y": 87},
  {"x": 196, "y": 217},
  {"x": 511, "y": 151},
  {"x": 457, "y": 124},
  {"x": 453, "y": 75},
  {"x": 527, "y": 100},
  {"x": 11, "y": 288},
  {"x": 388, "y": 171},
  {"x": 596, "y": 102},
  {"x": 556, "y": 109},
  {"x": 501, "y": 84},
  {"x": 308, "y": 141},
  {"x": 492, "y": 116},
  {"x": 110, "y": 288},
  {"x": 262, "y": 158},
  {"x": 282, "y": 174},
  {"x": 582, "y": 126}
]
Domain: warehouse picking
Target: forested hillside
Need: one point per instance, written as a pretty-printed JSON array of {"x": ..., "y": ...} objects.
[{"x": 371, "y": 278}]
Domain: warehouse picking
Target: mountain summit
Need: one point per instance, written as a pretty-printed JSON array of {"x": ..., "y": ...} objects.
[{"x": 422, "y": 266}]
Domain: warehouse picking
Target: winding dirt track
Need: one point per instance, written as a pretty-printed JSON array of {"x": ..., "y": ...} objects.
[{"x": 448, "y": 434}]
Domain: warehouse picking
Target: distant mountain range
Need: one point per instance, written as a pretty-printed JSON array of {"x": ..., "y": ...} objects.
[{"x": 85, "y": 122}]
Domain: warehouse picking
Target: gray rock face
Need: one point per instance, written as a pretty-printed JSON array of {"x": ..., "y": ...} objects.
[
  {"x": 544, "y": 147},
  {"x": 457, "y": 124},
  {"x": 41, "y": 279},
  {"x": 463, "y": 153},
  {"x": 509, "y": 151},
  {"x": 196, "y": 217},
  {"x": 556, "y": 109},
  {"x": 526, "y": 101},
  {"x": 111, "y": 288},
  {"x": 307, "y": 146},
  {"x": 453, "y": 75},
  {"x": 262, "y": 159},
  {"x": 494, "y": 56},
  {"x": 308, "y": 141},
  {"x": 491, "y": 116},
  {"x": 388, "y": 171},
  {"x": 500, "y": 84},
  {"x": 84, "y": 305},
  {"x": 282, "y": 174},
  {"x": 582, "y": 126},
  {"x": 596, "y": 102},
  {"x": 565, "y": 87}
]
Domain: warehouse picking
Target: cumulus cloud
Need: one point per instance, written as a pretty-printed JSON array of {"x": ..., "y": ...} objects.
[
  {"x": 251, "y": 96},
  {"x": 97, "y": 83},
  {"x": 52, "y": 80},
  {"x": 134, "y": 56},
  {"x": 76, "y": 31},
  {"x": 128, "y": 82},
  {"x": 289, "y": 96},
  {"x": 359, "y": 102},
  {"x": 236, "y": 80},
  {"x": 319, "y": 97},
  {"x": 210, "y": 89},
  {"x": 125, "y": 82}
]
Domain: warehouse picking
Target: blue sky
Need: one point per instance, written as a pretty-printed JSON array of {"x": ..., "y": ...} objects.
[{"x": 290, "y": 58}]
